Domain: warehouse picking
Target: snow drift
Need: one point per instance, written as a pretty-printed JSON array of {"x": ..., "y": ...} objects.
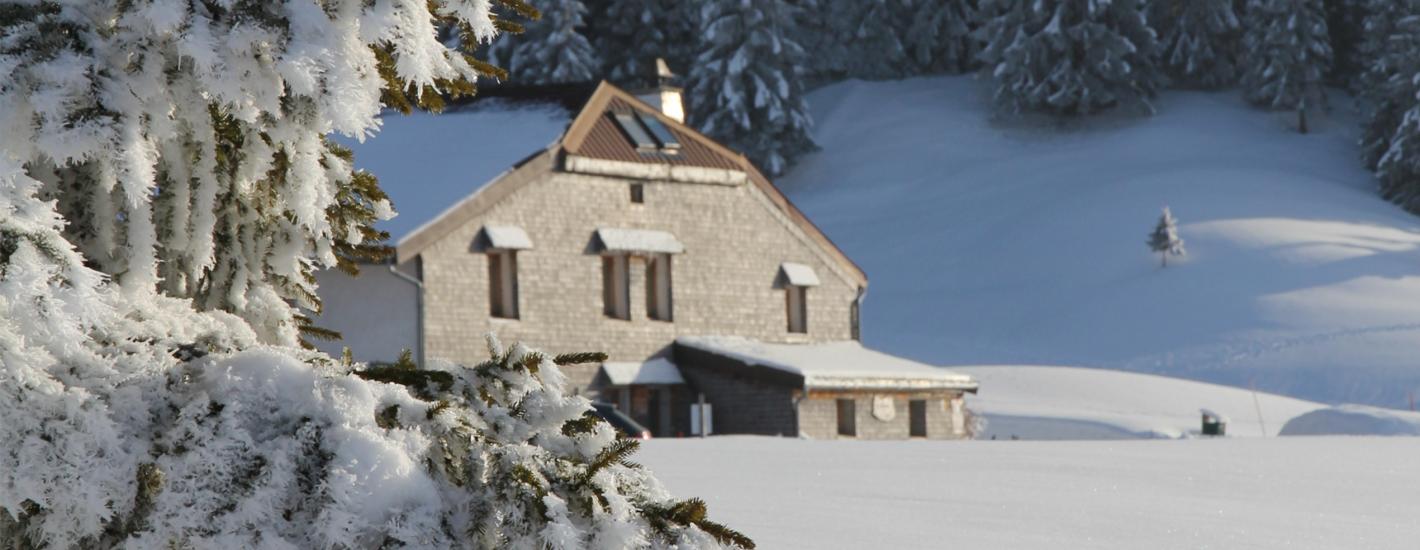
[{"x": 1354, "y": 420}]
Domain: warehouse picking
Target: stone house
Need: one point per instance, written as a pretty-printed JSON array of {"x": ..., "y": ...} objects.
[{"x": 636, "y": 235}]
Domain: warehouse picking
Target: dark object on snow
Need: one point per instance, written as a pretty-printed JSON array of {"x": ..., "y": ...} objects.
[
  {"x": 624, "y": 425},
  {"x": 1214, "y": 424}
]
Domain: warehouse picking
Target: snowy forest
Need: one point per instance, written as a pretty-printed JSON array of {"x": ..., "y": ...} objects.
[{"x": 748, "y": 63}]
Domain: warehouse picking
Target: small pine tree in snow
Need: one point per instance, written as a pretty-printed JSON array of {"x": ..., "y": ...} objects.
[
  {"x": 938, "y": 35},
  {"x": 631, "y": 34},
  {"x": 1069, "y": 57},
  {"x": 1164, "y": 239},
  {"x": 166, "y": 191},
  {"x": 551, "y": 50},
  {"x": 1288, "y": 55},
  {"x": 743, "y": 89},
  {"x": 1199, "y": 40}
]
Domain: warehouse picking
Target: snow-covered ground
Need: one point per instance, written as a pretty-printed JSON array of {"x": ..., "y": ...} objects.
[
  {"x": 1007, "y": 244},
  {"x": 990, "y": 244},
  {"x": 1352, "y": 420},
  {"x": 1029, "y": 402},
  {"x": 1302, "y": 493}
]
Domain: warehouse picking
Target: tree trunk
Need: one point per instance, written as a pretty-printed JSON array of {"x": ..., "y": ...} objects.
[{"x": 1302, "y": 118}]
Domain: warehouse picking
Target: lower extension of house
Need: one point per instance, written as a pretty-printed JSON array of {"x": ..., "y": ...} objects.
[{"x": 636, "y": 235}]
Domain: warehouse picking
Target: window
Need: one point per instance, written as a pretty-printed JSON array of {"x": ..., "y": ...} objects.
[
  {"x": 797, "y": 298},
  {"x": 658, "y": 287},
  {"x": 917, "y": 418},
  {"x": 847, "y": 421},
  {"x": 503, "y": 284},
  {"x": 616, "y": 287},
  {"x": 663, "y": 135},
  {"x": 636, "y": 132},
  {"x": 638, "y": 193}
]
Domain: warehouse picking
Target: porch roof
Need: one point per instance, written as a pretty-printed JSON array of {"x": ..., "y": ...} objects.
[
  {"x": 655, "y": 371},
  {"x": 842, "y": 365}
]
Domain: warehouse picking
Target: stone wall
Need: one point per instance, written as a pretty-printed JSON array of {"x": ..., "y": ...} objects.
[
  {"x": 725, "y": 283},
  {"x": 818, "y": 415},
  {"x": 743, "y": 400}
]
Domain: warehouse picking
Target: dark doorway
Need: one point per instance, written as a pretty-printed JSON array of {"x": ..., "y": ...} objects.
[
  {"x": 847, "y": 418},
  {"x": 917, "y": 417}
]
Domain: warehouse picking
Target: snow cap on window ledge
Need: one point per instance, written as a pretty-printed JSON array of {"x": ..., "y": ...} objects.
[
  {"x": 799, "y": 274},
  {"x": 507, "y": 237},
  {"x": 639, "y": 241}
]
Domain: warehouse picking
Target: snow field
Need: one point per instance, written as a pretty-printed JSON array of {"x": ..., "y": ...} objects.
[{"x": 1224, "y": 493}]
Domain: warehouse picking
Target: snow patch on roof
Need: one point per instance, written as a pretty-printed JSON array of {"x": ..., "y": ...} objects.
[
  {"x": 834, "y": 365},
  {"x": 639, "y": 240},
  {"x": 799, "y": 274},
  {"x": 507, "y": 237},
  {"x": 656, "y": 371}
]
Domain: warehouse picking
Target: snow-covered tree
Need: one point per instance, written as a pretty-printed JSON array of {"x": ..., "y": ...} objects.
[
  {"x": 1345, "y": 23},
  {"x": 166, "y": 190},
  {"x": 631, "y": 34},
  {"x": 855, "y": 38},
  {"x": 1288, "y": 54},
  {"x": 1390, "y": 136},
  {"x": 743, "y": 88},
  {"x": 1164, "y": 239},
  {"x": 1386, "y": 89},
  {"x": 1069, "y": 57},
  {"x": 1199, "y": 40},
  {"x": 550, "y": 50},
  {"x": 938, "y": 35}
]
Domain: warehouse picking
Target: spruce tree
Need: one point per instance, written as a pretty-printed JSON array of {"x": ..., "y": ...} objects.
[
  {"x": 1386, "y": 89},
  {"x": 938, "y": 36},
  {"x": 1391, "y": 131},
  {"x": 1164, "y": 239},
  {"x": 1288, "y": 55},
  {"x": 1199, "y": 40},
  {"x": 551, "y": 50},
  {"x": 855, "y": 38},
  {"x": 166, "y": 189},
  {"x": 1345, "y": 23},
  {"x": 743, "y": 89},
  {"x": 1069, "y": 57},
  {"x": 631, "y": 34}
]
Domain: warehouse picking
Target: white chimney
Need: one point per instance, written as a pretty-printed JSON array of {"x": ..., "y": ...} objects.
[{"x": 665, "y": 96}]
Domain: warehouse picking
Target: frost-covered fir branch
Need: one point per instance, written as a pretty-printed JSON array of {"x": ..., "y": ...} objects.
[
  {"x": 744, "y": 89},
  {"x": 166, "y": 190},
  {"x": 1068, "y": 57}
]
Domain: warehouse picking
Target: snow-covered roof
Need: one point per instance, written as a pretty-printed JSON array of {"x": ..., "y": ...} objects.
[
  {"x": 656, "y": 371},
  {"x": 507, "y": 237},
  {"x": 799, "y": 274},
  {"x": 639, "y": 240},
  {"x": 845, "y": 365}
]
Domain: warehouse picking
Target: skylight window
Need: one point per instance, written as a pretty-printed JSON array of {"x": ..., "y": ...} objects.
[
  {"x": 636, "y": 132},
  {"x": 660, "y": 131},
  {"x": 647, "y": 133}
]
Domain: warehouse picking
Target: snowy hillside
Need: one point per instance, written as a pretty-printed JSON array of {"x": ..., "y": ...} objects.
[
  {"x": 1312, "y": 492},
  {"x": 1029, "y": 402},
  {"x": 991, "y": 244}
]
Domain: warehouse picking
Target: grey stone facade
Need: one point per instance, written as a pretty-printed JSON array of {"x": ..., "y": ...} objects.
[
  {"x": 725, "y": 283},
  {"x": 818, "y": 415}
]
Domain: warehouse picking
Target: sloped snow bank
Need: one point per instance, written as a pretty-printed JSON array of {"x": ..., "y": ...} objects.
[
  {"x": 1040, "y": 402},
  {"x": 1354, "y": 420}
]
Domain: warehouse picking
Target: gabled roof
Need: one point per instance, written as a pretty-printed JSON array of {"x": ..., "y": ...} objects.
[{"x": 594, "y": 135}]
